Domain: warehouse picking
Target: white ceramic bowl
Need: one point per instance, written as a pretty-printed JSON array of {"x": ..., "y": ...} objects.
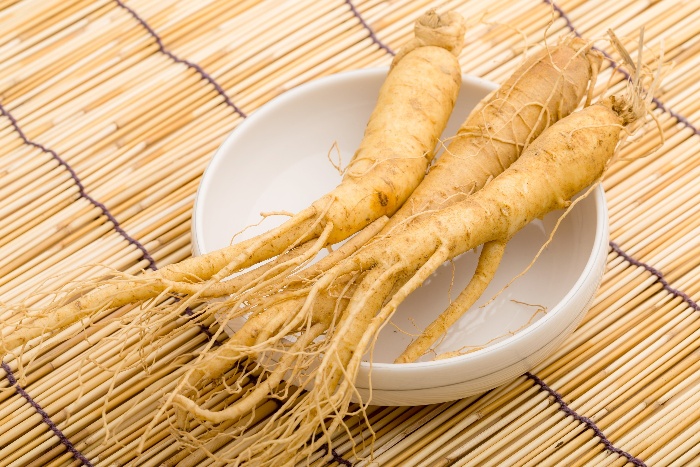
[{"x": 278, "y": 160}]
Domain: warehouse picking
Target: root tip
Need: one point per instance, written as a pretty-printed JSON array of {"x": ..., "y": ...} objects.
[{"x": 439, "y": 30}]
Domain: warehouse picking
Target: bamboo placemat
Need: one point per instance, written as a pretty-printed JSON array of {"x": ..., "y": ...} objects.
[{"x": 110, "y": 112}]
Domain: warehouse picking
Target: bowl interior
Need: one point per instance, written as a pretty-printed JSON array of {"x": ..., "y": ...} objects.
[
  {"x": 521, "y": 293},
  {"x": 278, "y": 160}
]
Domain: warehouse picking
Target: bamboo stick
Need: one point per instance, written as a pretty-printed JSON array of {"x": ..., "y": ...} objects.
[
  {"x": 683, "y": 450},
  {"x": 363, "y": 445},
  {"x": 26, "y": 21},
  {"x": 59, "y": 55},
  {"x": 419, "y": 422}
]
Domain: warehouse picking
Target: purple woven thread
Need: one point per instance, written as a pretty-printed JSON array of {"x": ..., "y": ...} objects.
[
  {"x": 659, "y": 277},
  {"x": 337, "y": 458},
  {"x": 564, "y": 407},
  {"x": 340, "y": 460},
  {"x": 372, "y": 34},
  {"x": 81, "y": 189},
  {"x": 563, "y": 16},
  {"x": 203, "y": 327},
  {"x": 161, "y": 47},
  {"x": 207, "y": 77},
  {"x": 145, "y": 254},
  {"x": 660, "y": 105},
  {"x": 105, "y": 211},
  {"x": 44, "y": 416}
]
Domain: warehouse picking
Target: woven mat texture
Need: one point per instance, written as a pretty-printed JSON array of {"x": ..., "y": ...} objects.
[{"x": 111, "y": 111}]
